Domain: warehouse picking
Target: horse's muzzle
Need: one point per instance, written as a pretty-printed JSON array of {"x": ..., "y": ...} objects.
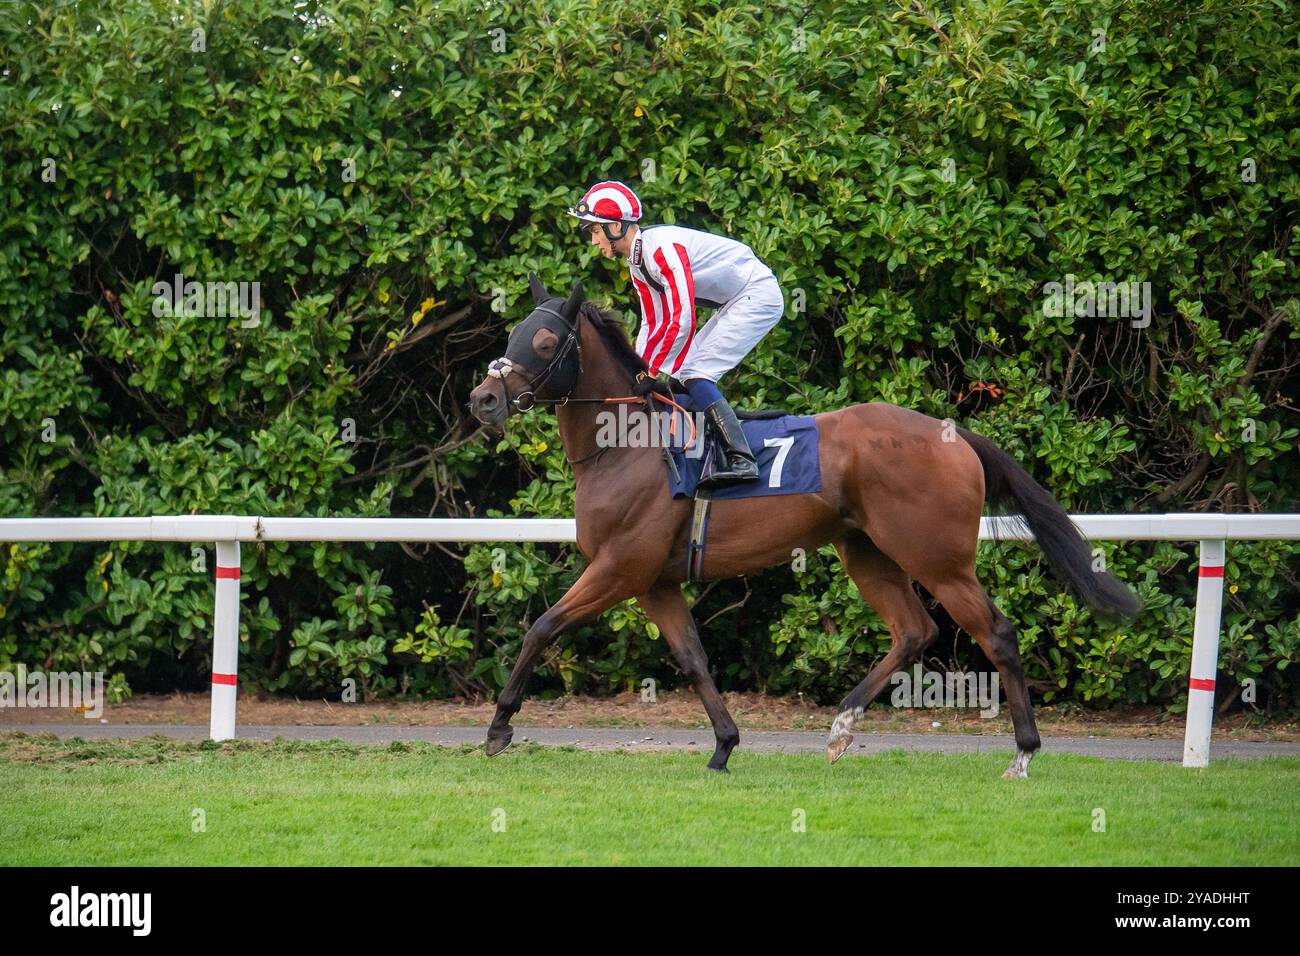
[{"x": 488, "y": 403}]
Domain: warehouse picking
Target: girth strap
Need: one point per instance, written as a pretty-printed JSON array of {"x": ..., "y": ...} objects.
[{"x": 699, "y": 534}]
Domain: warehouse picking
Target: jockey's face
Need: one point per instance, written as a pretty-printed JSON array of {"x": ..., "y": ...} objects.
[
  {"x": 611, "y": 250},
  {"x": 600, "y": 240}
]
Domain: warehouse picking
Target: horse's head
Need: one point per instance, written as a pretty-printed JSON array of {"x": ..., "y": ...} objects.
[{"x": 542, "y": 359}]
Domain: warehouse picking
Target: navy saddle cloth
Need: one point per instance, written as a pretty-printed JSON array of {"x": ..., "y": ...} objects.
[{"x": 785, "y": 447}]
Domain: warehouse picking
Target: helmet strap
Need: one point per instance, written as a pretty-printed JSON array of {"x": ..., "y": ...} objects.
[{"x": 604, "y": 226}]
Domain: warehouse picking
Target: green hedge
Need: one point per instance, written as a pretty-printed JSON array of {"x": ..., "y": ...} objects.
[{"x": 918, "y": 171}]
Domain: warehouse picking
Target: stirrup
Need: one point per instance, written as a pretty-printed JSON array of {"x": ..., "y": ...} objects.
[{"x": 736, "y": 476}]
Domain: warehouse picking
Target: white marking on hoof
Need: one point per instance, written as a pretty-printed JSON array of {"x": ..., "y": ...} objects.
[
  {"x": 1019, "y": 768},
  {"x": 841, "y": 734}
]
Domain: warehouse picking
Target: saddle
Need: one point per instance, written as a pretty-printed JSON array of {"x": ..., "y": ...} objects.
[
  {"x": 785, "y": 448},
  {"x": 761, "y": 414}
]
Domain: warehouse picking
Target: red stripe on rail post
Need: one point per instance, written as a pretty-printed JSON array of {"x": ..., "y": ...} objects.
[
  {"x": 225, "y": 642},
  {"x": 1205, "y": 654}
]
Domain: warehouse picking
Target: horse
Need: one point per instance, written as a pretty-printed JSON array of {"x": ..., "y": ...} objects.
[{"x": 901, "y": 498}]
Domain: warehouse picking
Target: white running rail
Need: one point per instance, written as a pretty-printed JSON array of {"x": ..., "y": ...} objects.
[{"x": 1211, "y": 531}]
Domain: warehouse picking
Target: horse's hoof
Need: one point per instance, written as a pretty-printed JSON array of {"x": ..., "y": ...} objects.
[
  {"x": 495, "y": 745},
  {"x": 1019, "y": 769},
  {"x": 835, "y": 746},
  {"x": 722, "y": 769},
  {"x": 840, "y": 737}
]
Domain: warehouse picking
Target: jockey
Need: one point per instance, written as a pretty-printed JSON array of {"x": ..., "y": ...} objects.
[{"x": 673, "y": 268}]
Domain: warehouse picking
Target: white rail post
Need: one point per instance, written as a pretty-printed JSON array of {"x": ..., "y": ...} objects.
[
  {"x": 1205, "y": 654},
  {"x": 225, "y": 642}
]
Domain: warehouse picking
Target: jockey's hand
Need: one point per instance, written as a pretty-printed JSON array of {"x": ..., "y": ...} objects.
[{"x": 646, "y": 383}]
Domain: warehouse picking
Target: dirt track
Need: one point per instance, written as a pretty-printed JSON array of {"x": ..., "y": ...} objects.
[
  {"x": 672, "y": 709},
  {"x": 644, "y": 739},
  {"x": 675, "y": 720}
]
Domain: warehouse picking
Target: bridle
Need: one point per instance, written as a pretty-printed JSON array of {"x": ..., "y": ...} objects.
[{"x": 501, "y": 368}]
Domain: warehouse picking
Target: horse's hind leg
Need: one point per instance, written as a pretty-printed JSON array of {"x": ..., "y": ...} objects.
[
  {"x": 666, "y": 606},
  {"x": 965, "y": 600},
  {"x": 884, "y": 586}
]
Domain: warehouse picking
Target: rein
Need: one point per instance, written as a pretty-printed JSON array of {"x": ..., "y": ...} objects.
[{"x": 626, "y": 400}]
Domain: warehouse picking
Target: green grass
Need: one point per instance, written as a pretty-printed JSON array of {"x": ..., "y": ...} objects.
[{"x": 285, "y": 803}]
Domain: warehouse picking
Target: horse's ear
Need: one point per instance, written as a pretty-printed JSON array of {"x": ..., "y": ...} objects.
[
  {"x": 538, "y": 290},
  {"x": 572, "y": 303}
]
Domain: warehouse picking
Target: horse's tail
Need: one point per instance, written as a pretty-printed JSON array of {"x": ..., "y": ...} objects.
[{"x": 1006, "y": 484}]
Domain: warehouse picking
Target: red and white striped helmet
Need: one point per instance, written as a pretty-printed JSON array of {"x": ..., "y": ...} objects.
[{"x": 608, "y": 202}]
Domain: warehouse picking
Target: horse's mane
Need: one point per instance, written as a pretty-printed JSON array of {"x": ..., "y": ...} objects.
[{"x": 615, "y": 337}]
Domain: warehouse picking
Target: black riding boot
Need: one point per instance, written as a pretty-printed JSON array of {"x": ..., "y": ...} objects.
[{"x": 740, "y": 460}]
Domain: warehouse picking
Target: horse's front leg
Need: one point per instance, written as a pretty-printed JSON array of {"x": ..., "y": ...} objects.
[
  {"x": 666, "y": 606},
  {"x": 595, "y": 592}
]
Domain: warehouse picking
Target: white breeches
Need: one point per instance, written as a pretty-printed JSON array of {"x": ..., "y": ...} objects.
[{"x": 733, "y": 331}]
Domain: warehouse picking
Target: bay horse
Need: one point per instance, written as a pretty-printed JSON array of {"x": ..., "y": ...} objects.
[{"x": 901, "y": 499}]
